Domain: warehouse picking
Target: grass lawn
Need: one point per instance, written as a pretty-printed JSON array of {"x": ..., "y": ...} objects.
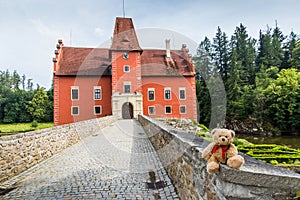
[{"x": 22, "y": 127}]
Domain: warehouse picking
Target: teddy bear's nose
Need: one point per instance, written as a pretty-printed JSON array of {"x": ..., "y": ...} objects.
[{"x": 223, "y": 139}]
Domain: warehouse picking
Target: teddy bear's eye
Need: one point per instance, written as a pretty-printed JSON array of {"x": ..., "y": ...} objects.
[{"x": 226, "y": 136}]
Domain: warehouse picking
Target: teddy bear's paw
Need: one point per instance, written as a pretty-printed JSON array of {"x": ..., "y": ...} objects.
[
  {"x": 213, "y": 167},
  {"x": 236, "y": 162}
]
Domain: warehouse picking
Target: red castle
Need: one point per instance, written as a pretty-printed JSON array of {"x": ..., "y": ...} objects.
[{"x": 123, "y": 80}]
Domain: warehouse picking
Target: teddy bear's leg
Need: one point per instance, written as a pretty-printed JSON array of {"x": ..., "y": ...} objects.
[
  {"x": 236, "y": 162},
  {"x": 212, "y": 166}
]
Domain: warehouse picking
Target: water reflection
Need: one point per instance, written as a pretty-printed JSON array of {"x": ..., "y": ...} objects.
[{"x": 290, "y": 141}]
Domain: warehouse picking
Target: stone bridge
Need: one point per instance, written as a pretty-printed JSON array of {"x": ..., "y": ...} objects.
[{"x": 127, "y": 159}]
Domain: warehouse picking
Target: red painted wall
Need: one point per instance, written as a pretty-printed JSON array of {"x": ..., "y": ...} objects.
[
  {"x": 118, "y": 74},
  {"x": 159, "y": 83},
  {"x": 86, "y": 102}
]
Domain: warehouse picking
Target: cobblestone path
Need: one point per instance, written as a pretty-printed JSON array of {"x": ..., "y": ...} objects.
[{"x": 112, "y": 164}]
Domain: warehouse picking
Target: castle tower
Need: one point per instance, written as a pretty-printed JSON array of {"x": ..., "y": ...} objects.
[{"x": 125, "y": 52}]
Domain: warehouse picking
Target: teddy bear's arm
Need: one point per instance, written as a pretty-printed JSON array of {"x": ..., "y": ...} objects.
[
  {"x": 232, "y": 151},
  {"x": 206, "y": 154}
]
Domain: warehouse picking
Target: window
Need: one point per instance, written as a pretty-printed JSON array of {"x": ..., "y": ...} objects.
[
  {"x": 151, "y": 95},
  {"x": 151, "y": 110},
  {"x": 97, "y": 93},
  {"x": 182, "y": 93},
  {"x": 127, "y": 87},
  {"x": 75, "y": 110},
  {"x": 182, "y": 109},
  {"x": 126, "y": 68},
  {"x": 97, "y": 110},
  {"x": 168, "y": 110},
  {"x": 167, "y": 94},
  {"x": 75, "y": 93}
]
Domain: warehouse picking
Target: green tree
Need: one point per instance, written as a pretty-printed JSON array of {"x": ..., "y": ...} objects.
[
  {"x": 49, "y": 113},
  {"x": 204, "y": 102},
  {"x": 295, "y": 59},
  {"x": 277, "y": 53},
  {"x": 278, "y": 33},
  {"x": 246, "y": 54},
  {"x": 221, "y": 54},
  {"x": 263, "y": 79},
  {"x": 204, "y": 70},
  {"x": 37, "y": 107},
  {"x": 264, "y": 56},
  {"x": 270, "y": 52},
  {"x": 15, "y": 107},
  {"x": 288, "y": 50},
  {"x": 203, "y": 60},
  {"x": 234, "y": 84},
  {"x": 283, "y": 106}
]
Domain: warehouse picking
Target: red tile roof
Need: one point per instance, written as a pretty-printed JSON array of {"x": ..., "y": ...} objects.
[
  {"x": 154, "y": 63},
  {"x": 96, "y": 61},
  {"x": 83, "y": 61},
  {"x": 89, "y": 61},
  {"x": 124, "y": 37}
]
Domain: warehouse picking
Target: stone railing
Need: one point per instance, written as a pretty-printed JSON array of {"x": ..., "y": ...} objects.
[
  {"x": 23, "y": 150},
  {"x": 180, "y": 153}
]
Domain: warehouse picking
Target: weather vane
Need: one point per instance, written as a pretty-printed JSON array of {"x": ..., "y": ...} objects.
[{"x": 123, "y": 8}]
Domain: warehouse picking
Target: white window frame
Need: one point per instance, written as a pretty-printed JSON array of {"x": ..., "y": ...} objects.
[
  {"x": 72, "y": 110},
  {"x": 180, "y": 89},
  {"x": 165, "y": 89},
  {"x": 166, "y": 109},
  {"x": 153, "y": 109},
  {"x": 151, "y": 89},
  {"x": 74, "y": 88},
  {"x": 124, "y": 67},
  {"x": 127, "y": 83},
  {"x": 97, "y": 88},
  {"x": 95, "y": 110},
  {"x": 184, "y": 109}
]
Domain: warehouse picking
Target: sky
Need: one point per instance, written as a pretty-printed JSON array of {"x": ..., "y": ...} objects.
[{"x": 29, "y": 29}]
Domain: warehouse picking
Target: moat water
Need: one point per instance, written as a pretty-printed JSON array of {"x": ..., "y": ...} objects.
[{"x": 292, "y": 141}]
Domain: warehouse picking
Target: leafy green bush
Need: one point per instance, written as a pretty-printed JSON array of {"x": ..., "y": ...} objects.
[
  {"x": 271, "y": 153},
  {"x": 34, "y": 124},
  {"x": 274, "y": 162}
]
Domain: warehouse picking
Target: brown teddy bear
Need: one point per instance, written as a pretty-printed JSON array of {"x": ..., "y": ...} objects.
[{"x": 221, "y": 150}]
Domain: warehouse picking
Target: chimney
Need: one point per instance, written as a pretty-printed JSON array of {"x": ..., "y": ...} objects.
[{"x": 168, "y": 50}]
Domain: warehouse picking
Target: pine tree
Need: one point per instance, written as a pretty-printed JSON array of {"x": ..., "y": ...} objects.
[
  {"x": 278, "y": 54},
  {"x": 204, "y": 71},
  {"x": 246, "y": 54},
  {"x": 294, "y": 61},
  {"x": 265, "y": 52},
  {"x": 221, "y": 53},
  {"x": 234, "y": 84},
  {"x": 203, "y": 61},
  {"x": 288, "y": 50}
]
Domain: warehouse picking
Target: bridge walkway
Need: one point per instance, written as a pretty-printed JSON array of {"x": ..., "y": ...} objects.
[{"x": 114, "y": 163}]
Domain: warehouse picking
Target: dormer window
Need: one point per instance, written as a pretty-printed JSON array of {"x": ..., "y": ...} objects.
[{"x": 124, "y": 41}]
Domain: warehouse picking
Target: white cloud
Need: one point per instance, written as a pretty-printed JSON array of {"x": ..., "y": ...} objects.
[
  {"x": 99, "y": 31},
  {"x": 45, "y": 30}
]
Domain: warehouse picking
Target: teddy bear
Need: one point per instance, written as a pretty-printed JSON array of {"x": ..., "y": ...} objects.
[{"x": 222, "y": 150}]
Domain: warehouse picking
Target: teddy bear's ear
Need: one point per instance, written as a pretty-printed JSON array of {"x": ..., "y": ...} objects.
[
  {"x": 232, "y": 133},
  {"x": 214, "y": 131}
]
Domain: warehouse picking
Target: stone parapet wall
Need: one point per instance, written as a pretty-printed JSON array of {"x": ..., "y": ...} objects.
[
  {"x": 180, "y": 153},
  {"x": 23, "y": 150}
]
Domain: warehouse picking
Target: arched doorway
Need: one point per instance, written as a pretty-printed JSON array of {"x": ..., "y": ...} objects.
[{"x": 127, "y": 111}]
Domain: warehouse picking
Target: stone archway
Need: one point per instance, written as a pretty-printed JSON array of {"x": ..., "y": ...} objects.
[{"x": 127, "y": 111}]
